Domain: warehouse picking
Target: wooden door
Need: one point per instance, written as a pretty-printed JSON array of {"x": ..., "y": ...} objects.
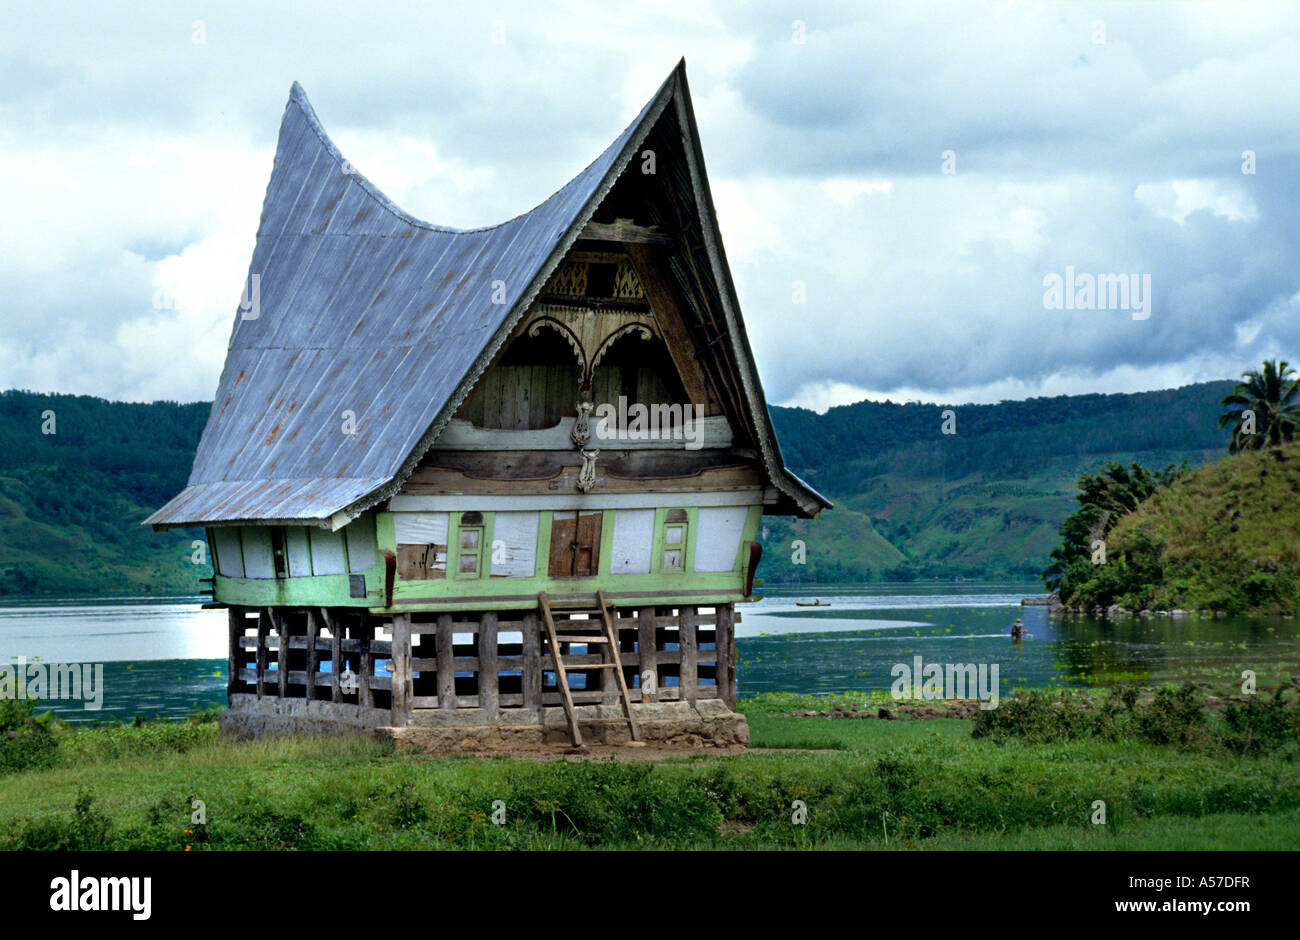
[{"x": 575, "y": 544}]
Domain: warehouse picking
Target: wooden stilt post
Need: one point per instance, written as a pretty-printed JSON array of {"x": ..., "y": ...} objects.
[
  {"x": 532, "y": 671},
  {"x": 313, "y": 655},
  {"x": 488, "y": 680},
  {"x": 263, "y": 626},
  {"x": 282, "y": 652},
  {"x": 236, "y": 622},
  {"x": 647, "y": 657},
  {"x": 726, "y": 646},
  {"x": 399, "y": 665},
  {"x": 446, "y": 671},
  {"x": 365, "y": 694},
  {"x": 336, "y": 654},
  {"x": 689, "y": 643}
]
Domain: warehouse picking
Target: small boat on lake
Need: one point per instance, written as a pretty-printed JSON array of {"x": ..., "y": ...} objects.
[{"x": 815, "y": 602}]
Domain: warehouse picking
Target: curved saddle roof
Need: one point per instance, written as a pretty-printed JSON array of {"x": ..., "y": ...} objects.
[{"x": 361, "y": 323}]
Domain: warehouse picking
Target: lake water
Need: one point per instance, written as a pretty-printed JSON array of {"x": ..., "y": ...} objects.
[{"x": 168, "y": 656}]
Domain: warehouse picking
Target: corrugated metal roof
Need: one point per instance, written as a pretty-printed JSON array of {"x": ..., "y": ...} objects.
[{"x": 364, "y": 309}]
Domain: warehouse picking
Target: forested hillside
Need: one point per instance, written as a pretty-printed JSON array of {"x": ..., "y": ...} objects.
[
  {"x": 983, "y": 502},
  {"x": 911, "y": 501},
  {"x": 71, "y": 501}
]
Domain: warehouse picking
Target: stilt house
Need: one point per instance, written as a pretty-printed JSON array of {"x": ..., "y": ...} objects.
[{"x": 489, "y": 485}]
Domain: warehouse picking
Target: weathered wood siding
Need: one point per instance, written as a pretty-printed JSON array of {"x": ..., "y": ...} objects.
[{"x": 514, "y": 544}]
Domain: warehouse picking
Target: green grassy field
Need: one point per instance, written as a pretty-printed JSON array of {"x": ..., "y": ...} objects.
[{"x": 866, "y": 784}]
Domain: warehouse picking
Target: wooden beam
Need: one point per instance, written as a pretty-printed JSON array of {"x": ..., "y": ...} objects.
[
  {"x": 281, "y": 653},
  {"x": 488, "y": 687},
  {"x": 446, "y": 671},
  {"x": 236, "y": 623},
  {"x": 725, "y": 637},
  {"x": 690, "y": 647},
  {"x": 647, "y": 656},
  {"x": 263, "y": 627},
  {"x": 313, "y": 655},
  {"x": 625, "y": 230},
  {"x": 532, "y": 668},
  {"x": 336, "y": 655},
  {"x": 660, "y": 291},
  {"x": 365, "y": 694},
  {"x": 400, "y": 666}
]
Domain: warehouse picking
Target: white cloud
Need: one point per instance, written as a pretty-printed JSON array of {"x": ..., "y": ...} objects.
[
  {"x": 136, "y": 161},
  {"x": 1177, "y": 199}
]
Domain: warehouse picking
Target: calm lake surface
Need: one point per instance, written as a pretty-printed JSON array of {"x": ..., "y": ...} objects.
[{"x": 168, "y": 656}]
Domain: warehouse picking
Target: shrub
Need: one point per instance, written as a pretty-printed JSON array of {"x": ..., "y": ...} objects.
[
  {"x": 1260, "y": 726},
  {"x": 86, "y": 830},
  {"x": 25, "y": 740}
]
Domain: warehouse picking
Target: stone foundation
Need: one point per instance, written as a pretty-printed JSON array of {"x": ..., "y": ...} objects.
[{"x": 706, "y": 723}]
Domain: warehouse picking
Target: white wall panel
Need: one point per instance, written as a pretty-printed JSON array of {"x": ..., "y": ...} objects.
[
  {"x": 327, "y": 552},
  {"x": 257, "y": 552},
  {"x": 361, "y": 544},
  {"x": 296, "y": 548},
  {"x": 229, "y": 557},
  {"x": 634, "y": 532},
  {"x": 514, "y": 544},
  {"x": 420, "y": 528},
  {"x": 717, "y": 540}
]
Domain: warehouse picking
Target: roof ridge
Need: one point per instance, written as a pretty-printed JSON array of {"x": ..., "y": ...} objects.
[{"x": 298, "y": 96}]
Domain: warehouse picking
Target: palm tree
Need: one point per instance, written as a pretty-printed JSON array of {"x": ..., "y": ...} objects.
[
  {"x": 1273, "y": 395},
  {"x": 1104, "y": 498}
]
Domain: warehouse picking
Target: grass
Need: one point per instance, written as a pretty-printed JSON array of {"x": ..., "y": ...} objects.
[{"x": 867, "y": 784}]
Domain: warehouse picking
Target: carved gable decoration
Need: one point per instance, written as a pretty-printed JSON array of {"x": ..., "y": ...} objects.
[
  {"x": 596, "y": 276},
  {"x": 593, "y": 299}
]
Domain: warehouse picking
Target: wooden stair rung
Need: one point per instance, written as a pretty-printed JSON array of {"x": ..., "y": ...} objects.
[
  {"x": 583, "y": 695},
  {"x": 588, "y": 605},
  {"x": 601, "y": 620}
]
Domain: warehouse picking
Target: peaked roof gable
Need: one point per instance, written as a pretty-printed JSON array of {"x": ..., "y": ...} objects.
[{"x": 365, "y": 329}]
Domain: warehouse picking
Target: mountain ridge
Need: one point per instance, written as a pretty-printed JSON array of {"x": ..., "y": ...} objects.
[{"x": 911, "y": 500}]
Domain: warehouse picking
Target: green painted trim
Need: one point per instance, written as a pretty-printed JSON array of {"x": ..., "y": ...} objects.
[
  {"x": 688, "y": 551},
  {"x": 685, "y": 585},
  {"x": 453, "y": 546},
  {"x": 727, "y": 581},
  {"x": 529, "y": 602},
  {"x": 750, "y": 534},
  {"x": 657, "y": 542},
  {"x": 542, "y": 564},
  {"x": 385, "y": 533},
  {"x": 692, "y": 532},
  {"x": 328, "y": 590},
  {"x": 605, "y": 558},
  {"x": 453, "y": 538}
]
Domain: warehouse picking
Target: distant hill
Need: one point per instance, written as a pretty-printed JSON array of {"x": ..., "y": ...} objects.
[
  {"x": 1226, "y": 537},
  {"x": 911, "y": 502},
  {"x": 984, "y": 502},
  {"x": 71, "y": 502}
]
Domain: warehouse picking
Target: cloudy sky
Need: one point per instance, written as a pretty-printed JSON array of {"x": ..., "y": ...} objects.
[{"x": 913, "y": 171}]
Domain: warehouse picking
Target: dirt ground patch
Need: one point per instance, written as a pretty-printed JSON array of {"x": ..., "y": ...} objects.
[
  {"x": 895, "y": 711},
  {"x": 625, "y": 753}
]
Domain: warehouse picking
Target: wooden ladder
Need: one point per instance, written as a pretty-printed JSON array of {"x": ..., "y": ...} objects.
[{"x": 608, "y": 643}]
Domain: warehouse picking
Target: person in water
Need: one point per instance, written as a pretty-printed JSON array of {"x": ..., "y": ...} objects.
[{"x": 1017, "y": 629}]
